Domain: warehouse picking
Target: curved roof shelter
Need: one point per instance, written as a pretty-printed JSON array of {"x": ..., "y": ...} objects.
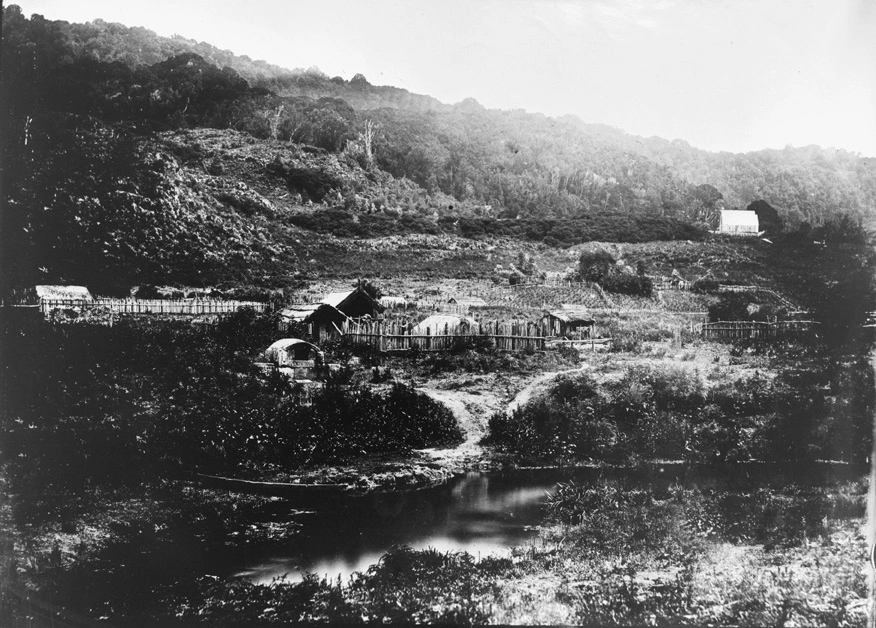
[
  {"x": 295, "y": 348},
  {"x": 437, "y": 323}
]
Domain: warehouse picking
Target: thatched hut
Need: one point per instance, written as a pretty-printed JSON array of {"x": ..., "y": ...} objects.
[{"x": 354, "y": 303}]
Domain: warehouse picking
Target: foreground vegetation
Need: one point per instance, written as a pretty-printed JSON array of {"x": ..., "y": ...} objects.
[
  {"x": 142, "y": 401},
  {"x": 816, "y": 408},
  {"x": 608, "y": 555}
]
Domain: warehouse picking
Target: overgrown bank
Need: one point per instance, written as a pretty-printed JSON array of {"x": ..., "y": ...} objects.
[
  {"x": 608, "y": 554},
  {"x": 140, "y": 402},
  {"x": 817, "y": 407}
]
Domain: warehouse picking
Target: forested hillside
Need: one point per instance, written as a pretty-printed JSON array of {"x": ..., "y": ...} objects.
[{"x": 92, "y": 187}]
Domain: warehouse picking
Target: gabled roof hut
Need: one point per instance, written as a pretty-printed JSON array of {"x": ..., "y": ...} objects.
[
  {"x": 569, "y": 322},
  {"x": 325, "y": 321},
  {"x": 354, "y": 303}
]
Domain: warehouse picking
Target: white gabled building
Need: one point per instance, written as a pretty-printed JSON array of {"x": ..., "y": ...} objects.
[{"x": 739, "y": 222}]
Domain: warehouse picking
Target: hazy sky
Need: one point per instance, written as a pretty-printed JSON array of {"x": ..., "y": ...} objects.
[{"x": 732, "y": 75}]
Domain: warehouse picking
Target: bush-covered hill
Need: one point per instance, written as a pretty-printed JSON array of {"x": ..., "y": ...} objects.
[
  {"x": 109, "y": 173},
  {"x": 512, "y": 161}
]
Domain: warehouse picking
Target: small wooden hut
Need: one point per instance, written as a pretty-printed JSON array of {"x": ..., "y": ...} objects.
[
  {"x": 569, "y": 323},
  {"x": 323, "y": 321},
  {"x": 354, "y": 303}
]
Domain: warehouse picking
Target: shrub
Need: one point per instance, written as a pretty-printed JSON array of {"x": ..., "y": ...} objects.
[
  {"x": 595, "y": 265},
  {"x": 732, "y": 306},
  {"x": 634, "y": 285},
  {"x": 705, "y": 285},
  {"x": 667, "y": 412},
  {"x": 314, "y": 182}
]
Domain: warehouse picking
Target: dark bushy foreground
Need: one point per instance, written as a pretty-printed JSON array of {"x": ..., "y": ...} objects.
[
  {"x": 405, "y": 587},
  {"x": 669, "y": 413},
  {"x": 609, "y": 555},
  {"x": 141, "y": 400}
]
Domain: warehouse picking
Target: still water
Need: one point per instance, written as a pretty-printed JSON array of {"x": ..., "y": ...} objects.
[
  {"x": 477, "y": 513},
  {"x": 480, "y": 513}
]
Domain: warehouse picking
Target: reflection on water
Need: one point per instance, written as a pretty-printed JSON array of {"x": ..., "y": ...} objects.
[{"x": 478, "y": 513}]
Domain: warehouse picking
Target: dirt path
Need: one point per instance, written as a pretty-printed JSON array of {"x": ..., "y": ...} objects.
[
  {"x": 480, "y": 398},
  {"x": 538, "y": 384},
  {"x": 472, "y": 410}
]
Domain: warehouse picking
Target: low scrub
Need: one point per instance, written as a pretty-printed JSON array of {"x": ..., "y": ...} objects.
[
  {"x": 405, "y": 587},
  {"x": 669, "y": 413},
  {"x": 598, "y": 227}
]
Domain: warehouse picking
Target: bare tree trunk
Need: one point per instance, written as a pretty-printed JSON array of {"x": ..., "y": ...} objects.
[{"x": 368, "y": 141}]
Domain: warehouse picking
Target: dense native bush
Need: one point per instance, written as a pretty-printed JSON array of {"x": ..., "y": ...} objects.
[
  {"x": 348, "y": 224},
  {"x": 705, "y": 285},
  {"x": 86, "y": 404},
  {"x": 668, "y": 413},
  {"x": 600, "y": 267},
  {"x": 744, "y": 306},
  {"x": 635, "y": 285},
  {"x": 313, "y": 183},
  {"x": 598, "y": 227}
]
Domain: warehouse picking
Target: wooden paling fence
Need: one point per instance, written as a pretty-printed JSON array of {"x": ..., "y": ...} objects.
[
  {"x": 734, "y": 288},
  {"x": 665, "y": 284},
  {"x": 153, "y": 306},
  {"x": 399, "y": 336},
  {"x": 755, "y": 330}
]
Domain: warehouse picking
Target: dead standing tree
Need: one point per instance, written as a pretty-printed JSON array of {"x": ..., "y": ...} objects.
[
  {"x": 367, "y": 138},
  {"x": 273, "y": 118}
]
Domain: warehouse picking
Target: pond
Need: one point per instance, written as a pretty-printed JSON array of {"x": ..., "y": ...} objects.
[{"x": 480, "y": 513}]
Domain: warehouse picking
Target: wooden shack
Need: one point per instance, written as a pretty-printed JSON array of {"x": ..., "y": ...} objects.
[
  {"x": 569, "y": 323},
  {"x": 323, "y": 321},
  {"x": 354, "y": 303}
]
